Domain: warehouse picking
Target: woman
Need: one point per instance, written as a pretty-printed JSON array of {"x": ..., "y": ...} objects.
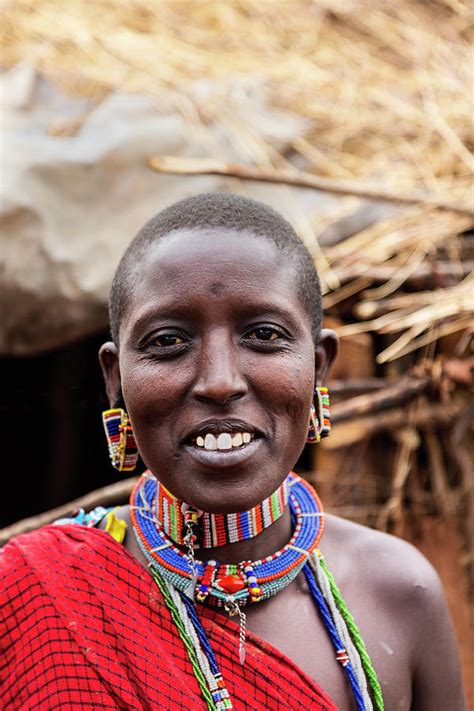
[{"x": 216, "y": 355}]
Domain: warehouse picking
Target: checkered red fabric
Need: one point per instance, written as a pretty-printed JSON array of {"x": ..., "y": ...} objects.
[{"x": 83, "y": 626}]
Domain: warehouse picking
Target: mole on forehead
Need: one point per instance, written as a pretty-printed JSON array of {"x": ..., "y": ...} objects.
[{"x": 217, "y": 288}]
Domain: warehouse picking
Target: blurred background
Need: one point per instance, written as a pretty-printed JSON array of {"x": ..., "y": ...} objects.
[{"x": 355, "y": 120}]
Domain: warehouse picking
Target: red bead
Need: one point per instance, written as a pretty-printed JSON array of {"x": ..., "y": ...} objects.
[{"x": 231, "y": 583}]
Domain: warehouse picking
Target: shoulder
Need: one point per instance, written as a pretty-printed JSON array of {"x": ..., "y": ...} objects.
[
  {"x": 395, "y": 574},
  {"x": 39, "y": 566},
  {"x": 403, "y": 593},
  {"x": 40, "y": 553}
]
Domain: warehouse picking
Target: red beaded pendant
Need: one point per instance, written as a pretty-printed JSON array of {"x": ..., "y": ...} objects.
[{"x": 231, "y": 583}]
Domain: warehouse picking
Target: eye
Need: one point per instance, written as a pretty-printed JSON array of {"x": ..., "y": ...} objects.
[
  {"x": 166, "y": 340},
  {"x": 264, "y": 333}
]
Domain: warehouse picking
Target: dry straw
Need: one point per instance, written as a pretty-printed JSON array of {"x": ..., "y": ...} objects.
[
  {"x": 385, "y": 86},
  {"x": 386, "y": 90}
]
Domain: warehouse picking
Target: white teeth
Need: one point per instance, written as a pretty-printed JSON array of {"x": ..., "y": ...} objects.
[
  {"x": 224, "y": 441},
  {"x": 210, "y": 443},
  {"x": 237, "y": 440}
]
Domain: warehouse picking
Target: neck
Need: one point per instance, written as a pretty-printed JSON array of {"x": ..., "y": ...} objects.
[
  {"x": 182, "y": 523},
  {"x": 271, "y": 539}
]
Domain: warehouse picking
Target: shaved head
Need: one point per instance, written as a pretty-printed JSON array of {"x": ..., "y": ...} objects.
[{"x": 217, "y": 211}]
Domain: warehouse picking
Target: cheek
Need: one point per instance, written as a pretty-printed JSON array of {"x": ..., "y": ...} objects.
[
  {"x": 148, "y": 393},
  {"x": 296, "y": 409},
  {"x": 303, "y": 383},
  {"x": 290, "y": 385}
]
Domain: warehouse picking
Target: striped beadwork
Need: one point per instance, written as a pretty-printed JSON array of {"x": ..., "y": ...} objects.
[
  {"x": 214, "y": 530},
  {"x": 319, "y": 417},
  {"x": 323, "y": 410},
  {"x": 265, "y": 578},
  {"x": 122, "y": 447}
]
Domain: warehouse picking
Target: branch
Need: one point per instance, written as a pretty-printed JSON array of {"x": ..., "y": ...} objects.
[
  {"x": 301, "y": 179},
  {"x": 439, "y": 274},
  {"x": 356, "y": 386},
  {"x": 358, "y": 429},
  {"x": 382, "y": 399},
  {"x": 106, "y": 496}
]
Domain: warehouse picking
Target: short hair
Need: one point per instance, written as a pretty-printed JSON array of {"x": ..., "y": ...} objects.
[{"x": 224, "y": 211}]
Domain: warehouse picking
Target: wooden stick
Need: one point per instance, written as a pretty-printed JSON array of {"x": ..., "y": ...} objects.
[
  {"x": 460, "y": 453},
  {"x": 395, "y": 394},
  {"x": 440, "y": 274},
  {"x": 439, "y": 475},
  {"x": 353, "y": 386},
  {"x": 301, "y": 179},
  {"x": 408, "y": 442},
  {"x": 111, "y": 495},
  {"x": 353, "y": 431}
]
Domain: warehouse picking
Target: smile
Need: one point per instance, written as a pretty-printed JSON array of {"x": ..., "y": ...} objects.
[
  {"x": 224, "y": 442},
  {"x": 223, "y": 458},
  {"x": 222, "y": 435}
]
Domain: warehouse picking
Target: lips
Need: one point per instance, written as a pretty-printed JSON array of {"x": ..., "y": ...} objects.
[{"x": 228, "y": 460}]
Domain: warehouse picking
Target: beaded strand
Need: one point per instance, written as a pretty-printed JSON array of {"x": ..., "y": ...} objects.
[
  {"x": 366, "y": 661},
  {"x": 341, "y": 653},
  {"x": 180, "y": 626},
  {"x": 215, "y": 682},
  {"x": 341, "y": 627},
  {"x": 209, "y": 652}
]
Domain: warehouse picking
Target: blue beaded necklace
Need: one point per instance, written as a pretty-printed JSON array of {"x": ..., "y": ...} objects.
[{"x": 222, "y": 584}]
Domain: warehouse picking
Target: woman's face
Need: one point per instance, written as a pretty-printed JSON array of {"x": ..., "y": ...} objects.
[{"x": 216, "y": 348}]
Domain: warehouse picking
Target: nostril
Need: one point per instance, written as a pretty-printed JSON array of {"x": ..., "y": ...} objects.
[
  {"x": 219, "y": 391},
  {"x": 219, "y": 398}
]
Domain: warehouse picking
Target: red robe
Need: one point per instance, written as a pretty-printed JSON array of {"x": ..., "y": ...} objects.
[{"x": 82, "y": 625}]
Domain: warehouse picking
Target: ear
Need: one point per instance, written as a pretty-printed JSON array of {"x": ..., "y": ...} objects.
[
  {"x": 109, "y": 363},
  {"x": 325, "y": 354}
]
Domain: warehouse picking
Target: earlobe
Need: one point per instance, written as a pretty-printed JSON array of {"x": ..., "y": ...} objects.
[
  {"x": 325, "y": 354},
  {"x": 109, "y": 363}
]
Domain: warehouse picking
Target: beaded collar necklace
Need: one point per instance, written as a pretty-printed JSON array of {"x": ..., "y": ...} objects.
[
  {"x": 213, "y": 530},
  {"x": 232, "y": 586}
]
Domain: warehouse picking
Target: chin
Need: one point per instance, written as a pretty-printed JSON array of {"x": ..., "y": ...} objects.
[
  {"x": 224, "y": 484},
  {"x": 229, "y": 496}
]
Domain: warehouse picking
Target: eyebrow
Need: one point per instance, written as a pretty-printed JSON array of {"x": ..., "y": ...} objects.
[
  {"x": 165, "y": 311},
  {"x": 170, "y": 310}
]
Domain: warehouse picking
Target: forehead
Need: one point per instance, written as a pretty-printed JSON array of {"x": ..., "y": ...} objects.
[
  {"x": 186, "y": 266},
  {"x": 207, "y": 250}
]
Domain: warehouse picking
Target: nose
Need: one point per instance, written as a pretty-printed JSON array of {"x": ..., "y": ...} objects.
[{"x": 219, "y": 378}]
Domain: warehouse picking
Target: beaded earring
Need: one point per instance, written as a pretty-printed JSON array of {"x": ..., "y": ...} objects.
[
  {"x": 122, "y": 447},
  {"x": 319, "y": 417}
]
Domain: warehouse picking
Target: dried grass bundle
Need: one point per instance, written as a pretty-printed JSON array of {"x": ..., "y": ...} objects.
[
  {"x": 385, "y": 86},
  {"x": 386, "y": 90}
]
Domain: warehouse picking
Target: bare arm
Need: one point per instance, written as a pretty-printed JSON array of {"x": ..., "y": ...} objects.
[{"x": 437, "y": 682}]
